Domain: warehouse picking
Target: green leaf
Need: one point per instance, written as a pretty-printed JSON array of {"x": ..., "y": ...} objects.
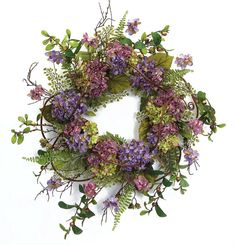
[
  {"x": 221, "y": 125},
  {"x": 69, "y": 53},
  {"x": 143, "y": 129},
  {"x": 159, "y": 211},
  {"x": 156, "y": 38},
  {"x": 201, "y": 96},
  {"x": 143, "y": 212},
  {"x": 78, "y": 48},
  {"x": 45, "y": 42},
  {"x": 20, "y": 139},
  {"x": 63, "y": 228},
  {"x": 26, "y": 130},
  {"x": 76, "y": 230},
  {"x": 86, "y": 213},
  {"x": 139, "y": 45},
  {"x": 65, "y": 206},
  {"x": 126, "y": 41},
  {"x": 162, "y": 60},
  {"x": 184, "y": 183},
  {"x": 44, "y": 33},
  {"x": 81, "y": 189},
  {"x": 21, "y": 119},
  {"x": 50, "y": 47},
  {"x": 46, "y": 113},
  {"x": 166, "y": 182},
  {"x": 143, "y": 103},
  {"x": 119, "y": 83},
  {"x": 143, "y": 37},
  {"x": 13, "y": 139},
  {"x": 90, "y": 113},
  {"x": 68, "y": 32},
  {"x": 84, "y": 55}
]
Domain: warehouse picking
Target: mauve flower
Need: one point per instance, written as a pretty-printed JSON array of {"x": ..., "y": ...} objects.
[
  {"x": 112, "y": 203},
  {"x": 132, "y": 26},
  {"x": 183, "y": 61},
  {"x": 55, "y": 56},
  {"x": 54, "y": 183},
  {"x": 91, "y": 41},
  {"x": 196, "y": 125},
  {"x": 141, "y": 183},
  {"x": 36, "y": 93},
  {"x": 89, "y": 189},
  {"x": 190, "y": 155}
]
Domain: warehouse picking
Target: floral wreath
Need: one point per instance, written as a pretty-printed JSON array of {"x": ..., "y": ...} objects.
[{"x": 89, "y": 73}]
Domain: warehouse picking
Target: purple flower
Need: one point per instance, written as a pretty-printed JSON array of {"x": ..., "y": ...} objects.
[
  {"x": 190, "y": 155},
  {"x": 141, "y": 183},
  {"x": 54, "y": 183},
  {"x": 183, "y": 61},
  {"x": 91, "y": 41},
  {"x": 55, "y": 56},
  {"x": 36, "y": 93},
  {"x": 75, "y": 137},
  {"x": 196, "y": 125},
  {"x": 175, "y": 105},
  {"x": 147, "y": 76},
  {"x": 96, "y": 72},
  {"x": 89, "y": 189},
  {"x": 134, "y": 155},
  {"x": 118, "y": 56},
  {"x": 132, "y": 26},
  {"x": 67, "y": 106},
  {"x": 112, "y": 203}
]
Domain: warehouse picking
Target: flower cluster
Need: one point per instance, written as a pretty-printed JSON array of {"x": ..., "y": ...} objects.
[
  {"x": 147, "y": 76},
  {"x": 190, "y": 155},
  {"x": 132, "y": 26},
  {"x": 184, "y": 60},
  {"x": 102, "y": 160},
  {"x": 97, "y": 78},
  {"x": 67, "y": 106},
  {"x": 55, "y": 57},
  {"x": 134, "y": 155},
  {"x": 37, "y": 92}
]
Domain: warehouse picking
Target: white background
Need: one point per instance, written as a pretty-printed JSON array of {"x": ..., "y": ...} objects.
[{"x": 206, "y": 213}]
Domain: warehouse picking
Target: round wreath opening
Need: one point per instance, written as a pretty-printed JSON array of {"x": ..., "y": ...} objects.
[{"x": 91, "y": 72}]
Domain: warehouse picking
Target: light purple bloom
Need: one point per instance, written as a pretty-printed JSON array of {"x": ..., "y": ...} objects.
[
  {"x": 196, "y": 125},
  {"x": 89, "y": 189},
  {"x": 36, "y": 93},
  {"x": 134, "y": 155},
  {"x": 141, "y": 183},
  {"x": 67, "y": 106},
  {"x": 55, "y": 56},
  {"x": 183, "y": 61},
  {"x": 190, "y": 155},
  {"x": 132, "y": 26},
  {"x": 91, "y": 41},
  {"x": 112, "y": 203},
  {"x": 54, "y": 183}
]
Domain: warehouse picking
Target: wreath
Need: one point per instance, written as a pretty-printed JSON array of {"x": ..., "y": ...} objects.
[{"x": 89, "y": 73}]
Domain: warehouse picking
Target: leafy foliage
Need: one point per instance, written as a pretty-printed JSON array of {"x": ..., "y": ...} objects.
[
  {"x": 124, "y": 201},
  {"x": 118, "y": 33}
]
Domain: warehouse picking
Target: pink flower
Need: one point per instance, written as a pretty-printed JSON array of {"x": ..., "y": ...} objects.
[
  {"x": 89, "y": 189},
  {"x": 141, "y": 183},
  {"x": 36, "y": 93},
  {"x": 196, "y": 125},
  {"x": 93, "y": 42}
]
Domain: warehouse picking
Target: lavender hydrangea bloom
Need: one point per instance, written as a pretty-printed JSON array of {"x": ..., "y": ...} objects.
[
  {"x": 184, "y": 60},
  {"x": 134, "y": 155},
  {"x": 196, "y": 125},
  {"x": 96, "y": 72},
  {"x": 36, "y": 93},
  {"x": 151, "y": 78},
  {"x": 67, "y": 105},
  {"x": 191, "y": 156},
  {"x": 75, "y": 138},
  {"x": 175, "y": 105},
  {"x": 132, "y": 26},
  {"x": 118, "y": 56},
  {"x": 55, "y": 56},
  {"x": 112, "y": 203},
  {"x": 54, "y": 183}
]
